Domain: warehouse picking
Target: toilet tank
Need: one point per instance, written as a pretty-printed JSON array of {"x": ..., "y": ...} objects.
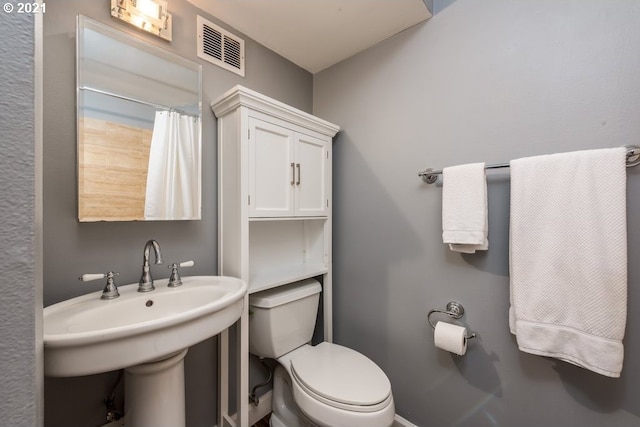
[{"x": 283, "y": 318}]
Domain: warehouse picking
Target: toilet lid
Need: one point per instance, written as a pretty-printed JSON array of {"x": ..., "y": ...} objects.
[{"x": 341, "y": 375}]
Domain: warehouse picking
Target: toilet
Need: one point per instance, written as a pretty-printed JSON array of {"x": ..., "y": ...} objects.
[{"x": 327, "y": 385}]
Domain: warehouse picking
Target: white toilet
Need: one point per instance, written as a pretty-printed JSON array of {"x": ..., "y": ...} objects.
[{"x": 326, "y": 385}]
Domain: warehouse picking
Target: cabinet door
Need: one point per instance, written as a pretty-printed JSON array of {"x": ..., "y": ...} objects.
[
  {"x": 271, "y": 170},
  {"x": 312, "y": 176}
]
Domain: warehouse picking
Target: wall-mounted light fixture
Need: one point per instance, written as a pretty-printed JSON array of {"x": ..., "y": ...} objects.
[{"x": 148, "y": 15}]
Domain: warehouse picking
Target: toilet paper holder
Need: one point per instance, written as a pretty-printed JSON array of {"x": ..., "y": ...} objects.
[{"x": 454, "y": 309}]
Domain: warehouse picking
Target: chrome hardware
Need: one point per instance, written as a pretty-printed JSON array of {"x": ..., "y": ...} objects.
[
  {"x": 430, "y": 176},
  {"x": 110, "y": 290},
  {"x": 174, "y": 279},
  {"x": 633, "y": 155},
  {"x": 454, "y": 309},
  {"x": 146, "y": 281}
]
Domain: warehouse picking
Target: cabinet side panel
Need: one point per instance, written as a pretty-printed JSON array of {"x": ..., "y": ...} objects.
[
  {"x": 315, "y": 245},
  {"x": 229, "y": 220}
]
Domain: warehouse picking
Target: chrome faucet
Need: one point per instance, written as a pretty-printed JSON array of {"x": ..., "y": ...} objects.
[
  {"x": 146, "y": 281},
  {"x": 110, "y": 290}
]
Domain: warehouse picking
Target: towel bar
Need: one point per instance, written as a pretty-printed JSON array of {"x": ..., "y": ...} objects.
[{"x": 430, "y": 176}]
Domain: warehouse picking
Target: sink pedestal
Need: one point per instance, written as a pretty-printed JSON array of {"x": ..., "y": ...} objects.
[{"x": 154, "y": 393}]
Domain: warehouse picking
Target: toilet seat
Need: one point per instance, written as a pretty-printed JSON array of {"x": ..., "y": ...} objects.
[{"x": 342, "y": 378}]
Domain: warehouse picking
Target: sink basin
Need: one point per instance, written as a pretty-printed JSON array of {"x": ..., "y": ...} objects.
[{"x": 86, "y": 335}]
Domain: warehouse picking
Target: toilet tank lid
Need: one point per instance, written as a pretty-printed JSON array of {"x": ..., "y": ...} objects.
[{"x": 284, "y": 294}]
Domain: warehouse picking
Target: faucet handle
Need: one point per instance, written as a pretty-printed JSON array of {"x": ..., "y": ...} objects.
[
  {"x": 110, "y": 290},
  {"x": 174, "y": 279},
  {"x": 92, "y": 276}
]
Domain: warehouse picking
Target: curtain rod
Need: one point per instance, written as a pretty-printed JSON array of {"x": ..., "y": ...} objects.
[
  {"x": 430, "y": 176},
  {"x": 138, "y": 101}
]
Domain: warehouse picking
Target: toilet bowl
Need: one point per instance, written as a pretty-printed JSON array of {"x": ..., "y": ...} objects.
[{"x": 327, "y": 385}]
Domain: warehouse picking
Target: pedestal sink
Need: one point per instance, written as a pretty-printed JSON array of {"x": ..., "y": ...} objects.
[{"x": 147, "y": 334}]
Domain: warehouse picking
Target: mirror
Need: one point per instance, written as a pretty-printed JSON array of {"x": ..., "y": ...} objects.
[{"x": 139, "y": 128}]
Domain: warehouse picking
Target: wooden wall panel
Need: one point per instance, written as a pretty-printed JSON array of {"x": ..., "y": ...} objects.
[{"x": 112, "y": 176}]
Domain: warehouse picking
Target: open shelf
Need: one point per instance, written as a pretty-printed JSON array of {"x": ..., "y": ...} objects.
[
  {"x": 286, "y": 218},
  {"x": 263, "y": 280},
  {"x": 286, "y": 251}
]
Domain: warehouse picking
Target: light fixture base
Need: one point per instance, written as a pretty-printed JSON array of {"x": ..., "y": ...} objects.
[{"x": 156, "y": 21}]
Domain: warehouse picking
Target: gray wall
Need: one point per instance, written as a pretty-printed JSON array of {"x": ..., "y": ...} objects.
[
  {"x": 20, "y": 229},
  {"x": 72, "y": 248},
  {"x": 490, "y": 81}
]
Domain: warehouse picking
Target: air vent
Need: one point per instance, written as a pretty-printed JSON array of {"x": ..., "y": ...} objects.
[{"x": 220, "y": 47}]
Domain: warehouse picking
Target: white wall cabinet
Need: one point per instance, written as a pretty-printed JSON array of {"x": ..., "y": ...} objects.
[
  {"x": 288, "y": 171},
  {"x": 274, "y": 211}
]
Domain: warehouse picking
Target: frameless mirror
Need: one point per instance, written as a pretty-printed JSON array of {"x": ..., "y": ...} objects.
[{"x": 139, "y": 128}]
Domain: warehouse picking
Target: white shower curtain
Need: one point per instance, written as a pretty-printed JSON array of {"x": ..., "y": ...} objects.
[{"x": 173, "y": 178}]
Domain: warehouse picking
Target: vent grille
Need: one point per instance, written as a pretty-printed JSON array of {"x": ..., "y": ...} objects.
[
  {"x": 233, "y": 52},
  {"x": 220, "y": 47},
  {"x": 211, "y": 42}
]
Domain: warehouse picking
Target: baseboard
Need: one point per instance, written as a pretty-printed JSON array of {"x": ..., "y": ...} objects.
[{"x": 398, "y": 421}]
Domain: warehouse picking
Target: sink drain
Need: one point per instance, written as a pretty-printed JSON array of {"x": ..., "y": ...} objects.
[{"x": 149, "y": 303}]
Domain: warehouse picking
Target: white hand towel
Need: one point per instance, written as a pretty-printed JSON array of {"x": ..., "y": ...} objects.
[
  {"x": 569, "y": 257},
  {"x": 464, "y": 208}
]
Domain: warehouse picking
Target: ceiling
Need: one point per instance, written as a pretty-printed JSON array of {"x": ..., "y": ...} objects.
[{"x": 315, "y": 34}]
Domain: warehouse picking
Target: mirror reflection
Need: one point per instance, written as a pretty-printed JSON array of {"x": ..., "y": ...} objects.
[{"x": 139, "y": 129}]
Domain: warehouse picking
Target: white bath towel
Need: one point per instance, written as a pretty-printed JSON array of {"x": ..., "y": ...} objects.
[
  {"x": 569, "y": 257},
  {"x": 464, "y": 208}
]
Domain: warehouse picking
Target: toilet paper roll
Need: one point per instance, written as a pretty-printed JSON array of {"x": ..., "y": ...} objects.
[{"x": 451, "y": 338}]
